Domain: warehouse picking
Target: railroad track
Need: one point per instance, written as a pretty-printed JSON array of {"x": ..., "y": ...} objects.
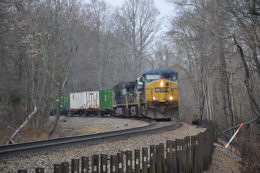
[{"x": 37, "y": 146}]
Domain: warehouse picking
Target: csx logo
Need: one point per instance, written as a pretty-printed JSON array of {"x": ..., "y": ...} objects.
[{"x": 162, "y": 90}]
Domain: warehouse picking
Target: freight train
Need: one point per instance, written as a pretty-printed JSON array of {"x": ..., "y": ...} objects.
[{"x": 153, "y": 95}]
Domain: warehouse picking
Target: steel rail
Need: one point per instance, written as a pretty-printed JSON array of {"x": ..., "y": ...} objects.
[{"x": 86, "y": 139}]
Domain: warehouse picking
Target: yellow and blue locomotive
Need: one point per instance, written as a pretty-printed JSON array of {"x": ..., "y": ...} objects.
[
  {"x": 161, "y": 94},
  {"x": 153, "y": 95}
]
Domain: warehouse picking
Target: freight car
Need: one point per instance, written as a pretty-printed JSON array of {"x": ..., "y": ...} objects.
[
  {"x": 153, "y": 95},
  {"x": 88, "y": 103},
  {"x": 84, "y": 102},
  {"x": 106, "y": 101}
]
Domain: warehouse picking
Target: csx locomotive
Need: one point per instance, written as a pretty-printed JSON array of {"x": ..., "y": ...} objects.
[{"x": 153, "y": 95}]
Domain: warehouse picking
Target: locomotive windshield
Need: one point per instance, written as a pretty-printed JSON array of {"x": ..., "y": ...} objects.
[
  {"x": 153, "y": 77},
  {"x": 171, "y": 77}
]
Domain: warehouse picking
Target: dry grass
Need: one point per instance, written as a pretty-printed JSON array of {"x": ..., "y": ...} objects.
[
  {"x": 222, "y": 163},
  {"x": 31, "y": 134},
  {"x": 3, "y": 136},
  {"x": 250, "y": 155},
  {"x": 26, "y": 134}
]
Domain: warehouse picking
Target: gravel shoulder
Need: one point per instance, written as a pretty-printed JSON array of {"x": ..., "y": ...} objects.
[
  {"x": 71, "y": 126},
  {"x": 47, "y": 159}
]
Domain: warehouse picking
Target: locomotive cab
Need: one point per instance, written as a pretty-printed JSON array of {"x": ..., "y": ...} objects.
[{"x": 161, "y": 93}]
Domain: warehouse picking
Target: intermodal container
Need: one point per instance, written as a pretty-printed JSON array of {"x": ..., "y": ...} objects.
[
  {"x": 92, "y": 100},
  {"x": 78, "y": 100},
  {"x": 64, "y": 103},
  {"x": 106, "y": 98}
]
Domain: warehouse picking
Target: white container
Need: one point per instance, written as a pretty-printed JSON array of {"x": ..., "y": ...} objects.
[
  {"x": 78, "y": 100},
  {"x": 92, "y": 100}
]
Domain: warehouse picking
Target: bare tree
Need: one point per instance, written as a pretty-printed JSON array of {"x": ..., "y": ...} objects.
[
  {"x": 216, "y": 43},
  {"x": 39, "y": 50},
  {"x": 141, "y": 25}
]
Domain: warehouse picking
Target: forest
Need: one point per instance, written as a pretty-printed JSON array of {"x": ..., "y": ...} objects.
[{"x": 49, "y": 47}]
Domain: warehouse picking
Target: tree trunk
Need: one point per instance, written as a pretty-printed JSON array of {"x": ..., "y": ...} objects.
[
  {"x": 11, "y": 138},
  {"x": 255, "y": 105}
]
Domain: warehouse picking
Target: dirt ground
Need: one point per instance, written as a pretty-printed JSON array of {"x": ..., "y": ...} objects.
[
  {"x": 71, "y": 126},
  {"x": 221, "y": 163}
]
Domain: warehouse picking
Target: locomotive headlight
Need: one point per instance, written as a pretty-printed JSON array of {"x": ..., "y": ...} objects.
[
  {"x": 154, "y": 98},
  {"x": 161, "y": 84},
  {"x": 171, "y": 98}
]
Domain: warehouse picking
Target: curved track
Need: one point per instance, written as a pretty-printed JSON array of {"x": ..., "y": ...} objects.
[{"x": 36, "y": 146}]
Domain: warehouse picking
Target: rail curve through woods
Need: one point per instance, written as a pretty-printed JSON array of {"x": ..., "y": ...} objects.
[{"x": 36, "y": 146}]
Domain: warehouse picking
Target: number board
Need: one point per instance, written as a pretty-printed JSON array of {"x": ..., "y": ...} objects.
[{"x": 162, "y": 90}]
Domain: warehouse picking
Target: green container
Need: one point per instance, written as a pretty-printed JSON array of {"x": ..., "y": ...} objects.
[
  {"x": 106, "y": 98},
  {"x": 64, "y": 104}
]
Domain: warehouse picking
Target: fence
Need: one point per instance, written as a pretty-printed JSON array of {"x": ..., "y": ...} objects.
[{"x": 191, "y": 154}]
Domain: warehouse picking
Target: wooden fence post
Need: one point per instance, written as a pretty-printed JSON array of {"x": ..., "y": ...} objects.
[
  {"x": 103, "y": 163},
  {"x": 95, "y": 164},
  {"x": 84, "y": 164},
  {"x": 158, "y": 164},
  {"x": 213, "y": 136},
  {"x": 75, "y": 166},
  {"x": 186, "y": 153},
  {"x": 200, "y": 153},
  {"x": 144, "y": 160},
  {"x": 207, "y": 150},
  {"x": 178, "y": 154},
  {"x": 39, "y": 170},
  {"x": 120, "y": 162},
  {"x": 152, "y": 159},
  {"x": 174, "y": 157},
  {"x": 162, "y": 157},
  {"x": 129, "y": 162},
  {"x": 195, "y": 154},
  {"x": 22, "y": 171},
  {"x": 204, "y": 150},
  {"x": 168, "y": 156},
  {"x": 65, "y": 167},
  {"x": 113, "y": 164},
  {"x": 162, "y": 153},
  {"x": 57, "y": 168},
  {"x": 192, "y": 157},
  {"x": 182, "y": 155},
  {"x": 137, "y": 160},
  {"x": 209, "y": 138}
]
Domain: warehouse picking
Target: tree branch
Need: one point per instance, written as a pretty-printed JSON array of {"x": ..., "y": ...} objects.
[{"x": 245, "y": 123}]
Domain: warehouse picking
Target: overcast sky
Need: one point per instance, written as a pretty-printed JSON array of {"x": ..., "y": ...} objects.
[{"x": 166, "y": 9}]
